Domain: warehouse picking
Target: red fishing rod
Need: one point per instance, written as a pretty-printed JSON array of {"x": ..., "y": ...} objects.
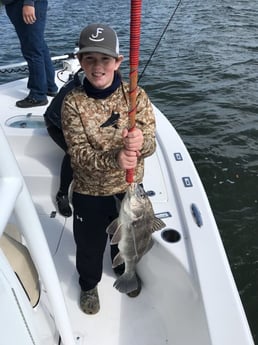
[{"x": 135, "y": 32}]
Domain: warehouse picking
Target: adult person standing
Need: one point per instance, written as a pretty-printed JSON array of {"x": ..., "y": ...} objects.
[{"x": 29, "y": 18}]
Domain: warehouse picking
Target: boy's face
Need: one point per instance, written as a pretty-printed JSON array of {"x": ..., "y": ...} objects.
[{"x": 99, "y": 68}]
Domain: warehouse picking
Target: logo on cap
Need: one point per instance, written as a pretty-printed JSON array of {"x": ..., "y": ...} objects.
[{"x": 95, "y": 38}]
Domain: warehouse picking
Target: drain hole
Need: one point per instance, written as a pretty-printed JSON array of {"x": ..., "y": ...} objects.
[
  {"x": 150, "y": 193},
  {"x": 170, "y": 235}
]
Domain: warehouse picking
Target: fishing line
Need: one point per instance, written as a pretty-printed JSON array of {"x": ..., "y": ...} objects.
[{"x": 157, "y": 44}]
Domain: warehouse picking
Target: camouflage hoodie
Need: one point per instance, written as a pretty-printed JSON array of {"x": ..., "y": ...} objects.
[{"x": 93, "y": 143}]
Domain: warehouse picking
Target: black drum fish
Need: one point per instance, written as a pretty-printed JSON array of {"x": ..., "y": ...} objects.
[{"x": 132, "y": 230}]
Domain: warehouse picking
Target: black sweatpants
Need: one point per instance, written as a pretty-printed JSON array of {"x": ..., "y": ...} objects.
[
  {"x": 66, "y": 174},
  {"x": 92, "y": 215}
]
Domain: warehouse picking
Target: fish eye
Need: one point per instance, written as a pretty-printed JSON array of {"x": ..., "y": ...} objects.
[
  {"x": 142, "y": 191},
  {"x": 142, "y": 194}
]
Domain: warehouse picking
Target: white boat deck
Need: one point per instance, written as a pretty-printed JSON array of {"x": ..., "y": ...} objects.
[{"x": 188, "y": 295}]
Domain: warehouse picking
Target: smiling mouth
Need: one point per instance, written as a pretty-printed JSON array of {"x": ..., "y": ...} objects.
[{"x": 98, "y": 74}]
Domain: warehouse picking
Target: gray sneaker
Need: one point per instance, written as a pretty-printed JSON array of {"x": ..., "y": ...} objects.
[{"x": 89, "y": 301}]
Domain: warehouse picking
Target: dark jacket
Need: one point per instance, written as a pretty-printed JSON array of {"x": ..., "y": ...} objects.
[{"x": 53, "y": 112}]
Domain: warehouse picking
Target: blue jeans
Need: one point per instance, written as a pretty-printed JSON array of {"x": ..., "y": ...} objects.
[{"x": 34, "y": 48}]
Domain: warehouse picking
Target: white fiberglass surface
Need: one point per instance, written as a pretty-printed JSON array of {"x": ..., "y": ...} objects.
[{"x": 167, "y": 306}]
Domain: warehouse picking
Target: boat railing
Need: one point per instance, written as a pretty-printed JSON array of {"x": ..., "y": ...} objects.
[
  {"x": 16, "y": 199},
  {"x": 23, "y": 66}
]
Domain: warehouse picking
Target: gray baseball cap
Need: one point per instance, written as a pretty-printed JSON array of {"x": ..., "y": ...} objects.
[{"x": 99, "y": 38}]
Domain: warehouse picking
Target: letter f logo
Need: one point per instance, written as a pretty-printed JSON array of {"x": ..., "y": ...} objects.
[{"x": 95, "y": 37}]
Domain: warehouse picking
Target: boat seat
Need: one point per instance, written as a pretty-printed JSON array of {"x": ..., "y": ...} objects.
[{"x": 21, "y": 262}]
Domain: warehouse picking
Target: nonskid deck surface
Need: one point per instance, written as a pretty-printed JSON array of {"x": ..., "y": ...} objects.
[
  {"x": 121, "y": 320},
  {"x": 167, "y": 304}
]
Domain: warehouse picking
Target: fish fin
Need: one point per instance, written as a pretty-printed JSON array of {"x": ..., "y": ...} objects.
[
  {"x": 117, "y": 236},
  {"x": 111, "y": 229},
  {"x": 126, "y": 283},
  {"x": 118, "y": 260},
  {"x": 157, "y": 224}
]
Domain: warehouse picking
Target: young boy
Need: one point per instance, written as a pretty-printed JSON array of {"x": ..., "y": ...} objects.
[{"x": 95, "y": 122}]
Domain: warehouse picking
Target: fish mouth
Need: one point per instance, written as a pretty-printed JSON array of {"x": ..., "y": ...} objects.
[
  {"x": 132, "y": 188},
  {"x": 137, "y": 190}
]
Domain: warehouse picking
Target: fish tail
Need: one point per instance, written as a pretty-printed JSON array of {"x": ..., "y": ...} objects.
[{"x": 126, "y": 283}]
